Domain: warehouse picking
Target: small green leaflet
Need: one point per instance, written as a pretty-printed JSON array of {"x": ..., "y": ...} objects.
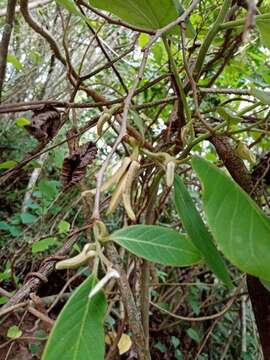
[
  {"x": 14, "y": 61},
  {"x": 193, "y": 334},
  {"x": 28, "y": 218},
  {"x": 263, "y": 96},
  {"x": 158, "y": 244},
  {"x": 63, "y": 227},
  {"x": 78, "y": 332},
  {"x": 14, "y": 332},
  {"x": 239, "y": 226},
  {"x": 143, "y": 40},
  {"x": 21, "y": 122},
  {"x": 9, "y": 164},
  {"x": 43, "y": 244},
  {"x": 198, "y": 232}
]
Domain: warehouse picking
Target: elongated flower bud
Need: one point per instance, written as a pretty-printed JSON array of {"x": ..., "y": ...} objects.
[
  {"x": 111, "y": 274},
  {"x": 187, "y": 133},
  {"x": 114, "y": 179},
  {"x": 101, "y": 121},
  {"x": 77, "y": 260},
  {"x": 132, "y": 172},
  {"x": 170, "y": 168},
  {"x": 117, "y": 195},
  {"x": 244, "y": 153}
]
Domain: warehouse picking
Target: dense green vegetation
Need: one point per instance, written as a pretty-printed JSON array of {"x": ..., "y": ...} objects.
[{"x": 135, "y": 173}]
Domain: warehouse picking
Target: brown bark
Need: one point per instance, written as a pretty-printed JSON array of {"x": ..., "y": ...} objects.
[{"x": 10, "y": 13}]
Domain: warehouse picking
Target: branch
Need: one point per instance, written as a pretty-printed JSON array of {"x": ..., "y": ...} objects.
[
  {"x": 42, "y": 31},
  {"x": 31, "y": 5},
  {"x": 209, "y": 38},
  {"x": 45, "y": 270},
  {"x": 10, "y": 12}
]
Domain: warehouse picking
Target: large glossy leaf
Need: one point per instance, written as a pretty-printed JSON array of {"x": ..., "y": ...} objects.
[
  {"x": 198, "y": 232},
  {"x": 158, "y": 244},
  {"x": 239, "y": 226},
  {"x": 78, "y": 332},
  {"x": 146, "y": 14}
]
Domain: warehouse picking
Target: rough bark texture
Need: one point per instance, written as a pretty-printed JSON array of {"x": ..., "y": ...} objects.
[
  {"x": 34, "y": 282},
  {"x": 259, "y": 296},
  {"x": 10, "y": 12}
]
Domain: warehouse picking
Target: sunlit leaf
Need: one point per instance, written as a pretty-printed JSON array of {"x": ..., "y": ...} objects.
[
  {"x": 63, "y": 227},
  {"x": 43, "y": 244},
  {"x": 21, "y": 122},
  {"x": 143, "y": 39},
  {"x": 12, "y": 59},
  {"x": 14, "y": 332}
]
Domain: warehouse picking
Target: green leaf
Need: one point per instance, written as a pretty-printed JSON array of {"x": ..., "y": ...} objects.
[
  {"x": 138, "y": 121},
  {"x": 263, "y": 96},
  {"x": 78, "y": 331},
  {"x": 63, "y": 227},
  {"x": 264, "y": 28},
  {"x": 14, "y": 61},
  {"x": 266, "y": 284},
  {"x": 3, "y": 300},
  {"x": 4, "y": 226},
  {"x": 143, "y": 40},
  {"x": 228, "y": 115},
  {"x": 159, "y": 52},
  {"x": 21, "y": 122},
  {"x": 9, "y": 164},
  {"x": 43, "y": 244},
  {"x": 143, "y": 13},
  {"x": 198, "y": 232},
  {"x": 28, "y": 218},
  {"x": 193, "y": 335},
  {"x": 14, "y": 332},
  {"x": 70, "y": 6},
  {"x": 157, "y": 244},
  {"x": 239, "y": 226},
  {"x": 48, "y": 188}
]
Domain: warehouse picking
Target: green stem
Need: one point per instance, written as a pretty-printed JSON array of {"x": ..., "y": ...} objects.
[
  {"x": 241, "y": 22},
  {"x": 209, "y": 38},
  {"x": 177, "y": 79},
  {"x": 200, "y": 139}
]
